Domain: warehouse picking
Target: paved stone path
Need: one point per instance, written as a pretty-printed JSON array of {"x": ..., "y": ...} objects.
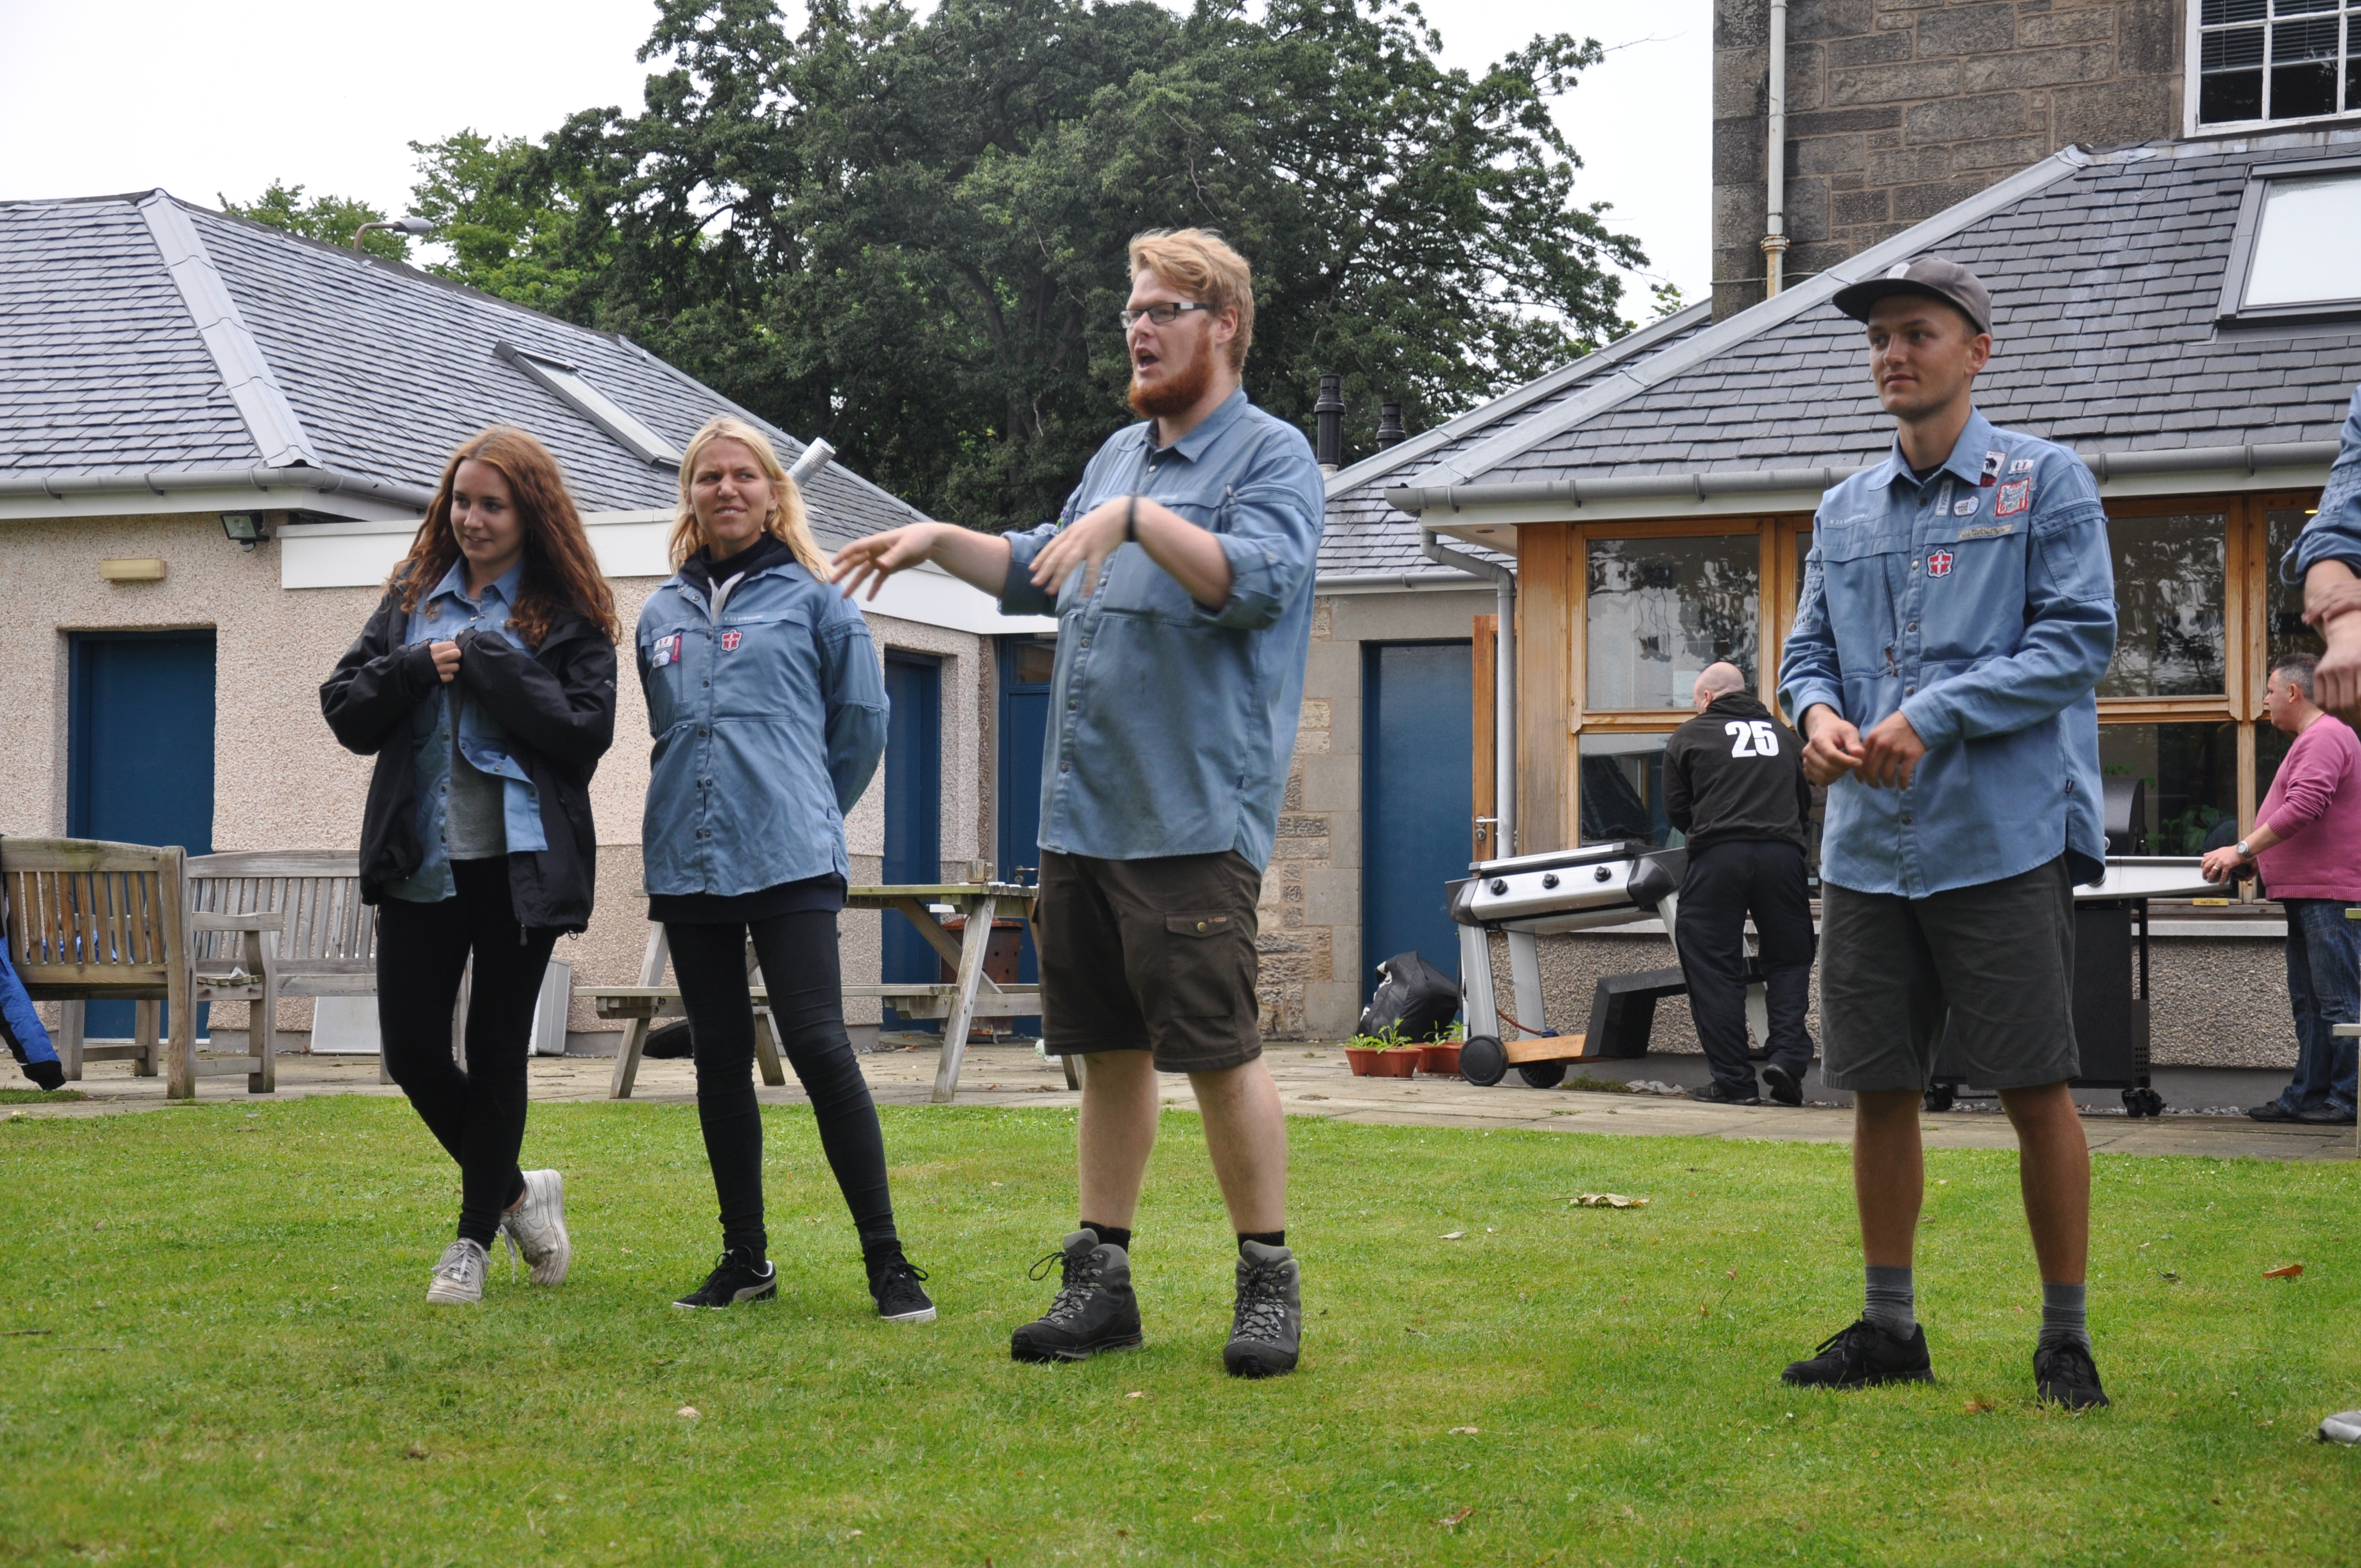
[{"x": 1313, "y": 1082}]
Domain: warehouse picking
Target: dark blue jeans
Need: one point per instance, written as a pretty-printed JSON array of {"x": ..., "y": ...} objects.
[{"x": 2323, "y": 961}]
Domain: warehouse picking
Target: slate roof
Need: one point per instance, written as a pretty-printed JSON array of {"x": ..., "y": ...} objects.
[
  {"x": 106, "y": 367},
  {"x": 2105, "y": 280}
]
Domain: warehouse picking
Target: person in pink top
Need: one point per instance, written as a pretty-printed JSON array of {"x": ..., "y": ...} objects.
[{"x": 2307, "y": 846}]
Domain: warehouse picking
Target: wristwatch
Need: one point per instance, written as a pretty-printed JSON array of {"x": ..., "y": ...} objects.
[{"x": 2244, "y": 852}]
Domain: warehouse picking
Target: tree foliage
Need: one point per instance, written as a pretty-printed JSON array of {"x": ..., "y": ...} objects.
[
  {"x": 907, "y": 233},
  {"x": 332, "y": 218}
]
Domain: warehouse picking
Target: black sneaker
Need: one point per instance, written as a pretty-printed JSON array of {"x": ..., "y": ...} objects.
[
  {"x": 1095, "y": 1310},
  {"x": 2276, "y": 1110},
  {"x": 894, "y": 1281},
  {"x": 1785, "y": 1087},
  {"x": 2064, "y": 1374},
  {"x": 1716, "y": 1094},
  {"x": 734, "y": 1279},
  {"x": 49, "y": 1076},
  {"x": 1863, "y": 1357},
  {"x": 1266, "y": 1333},
  {"x": 2325, "y": 1116}
]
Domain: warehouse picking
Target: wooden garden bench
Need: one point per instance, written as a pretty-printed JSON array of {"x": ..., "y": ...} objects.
[
  {"x": 91, "y": 921},
  {"x": 328, "y": 944}
]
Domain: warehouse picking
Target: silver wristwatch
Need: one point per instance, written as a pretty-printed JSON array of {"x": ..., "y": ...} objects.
[{"x": 2244, "y": 852}]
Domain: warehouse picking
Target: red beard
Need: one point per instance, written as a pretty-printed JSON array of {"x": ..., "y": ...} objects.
[{"x": 1179, "y": 392}]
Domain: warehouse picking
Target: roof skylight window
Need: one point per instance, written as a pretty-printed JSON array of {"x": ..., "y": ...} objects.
[
  {"x": 2292, "y": 256},
  {"x": 570, "y": 387}
]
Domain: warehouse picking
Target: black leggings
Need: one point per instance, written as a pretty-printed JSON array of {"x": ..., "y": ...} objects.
[
  {"x": 478, "y": 1115},
  {"x": 799, "y": 967}
]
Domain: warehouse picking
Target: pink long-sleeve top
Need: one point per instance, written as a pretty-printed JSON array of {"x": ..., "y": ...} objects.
[{"x": 2315, "y": 806}]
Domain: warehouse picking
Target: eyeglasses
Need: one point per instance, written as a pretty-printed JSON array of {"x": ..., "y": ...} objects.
[{"x": 1162, "y": 315}]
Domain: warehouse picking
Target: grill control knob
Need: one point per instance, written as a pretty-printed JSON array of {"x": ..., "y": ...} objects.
[
  {"x": 1500, "y": 886},
  {"x": 1549, "y": 879},
  {"x": 1601, "y": 874}
]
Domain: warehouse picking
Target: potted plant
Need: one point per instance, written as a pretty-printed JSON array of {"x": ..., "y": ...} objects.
[
  {"x": 1442, "y": 1057},
  {"x": 1383, "y": 1055}
]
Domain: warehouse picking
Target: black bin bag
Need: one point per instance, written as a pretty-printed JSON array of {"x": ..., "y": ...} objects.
[{"x": 1413, "y": 996}]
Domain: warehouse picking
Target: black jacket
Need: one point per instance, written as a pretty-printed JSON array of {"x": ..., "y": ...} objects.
[
  {"x": 1721, "y": 783},
  {"x": 558, "y": 706}
]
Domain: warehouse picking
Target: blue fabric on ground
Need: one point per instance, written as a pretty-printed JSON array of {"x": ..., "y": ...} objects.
[{"x": 27, "y": 1040}]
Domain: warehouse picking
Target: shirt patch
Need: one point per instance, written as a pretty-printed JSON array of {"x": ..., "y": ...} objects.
[
  {"x": 2014, "y": 496},
  {"x": 1939, "y": 564},
  {"x": 730, "y": 640},
  {"x": 1990, "y": 530},
  {"x": 663, "y": 650},
  {"x": 1993, "y": 460},
  {"x": 2022, "y": 466},
  {"x": 1961, "y": 509}
]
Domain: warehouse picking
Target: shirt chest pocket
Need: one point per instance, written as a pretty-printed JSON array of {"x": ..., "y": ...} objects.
[
  {"x": 1137, "y": 586},
  {"x": 665, "y": 653},
  {"x": 1973, "y": 604},
  {"x": 1862, "y": 569},
  {"x": 762, "y": 662}
]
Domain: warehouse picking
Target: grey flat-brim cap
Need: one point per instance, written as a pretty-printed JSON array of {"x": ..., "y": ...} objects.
[{"x": 1930, "y": 276}]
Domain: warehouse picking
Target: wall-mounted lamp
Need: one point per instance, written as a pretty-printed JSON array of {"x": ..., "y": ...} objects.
[{"x": 246, "y": 529}]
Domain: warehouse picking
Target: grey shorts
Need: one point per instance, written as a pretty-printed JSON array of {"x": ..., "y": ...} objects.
[{"x": 1986, "y": 970}]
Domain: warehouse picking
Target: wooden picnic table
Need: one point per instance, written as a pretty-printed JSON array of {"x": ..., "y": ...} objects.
[{"x": 971, "y": 995}]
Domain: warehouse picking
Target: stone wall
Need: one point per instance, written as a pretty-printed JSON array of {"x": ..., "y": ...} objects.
[
  {"x": 283, "y": 782},
  {"x": 1897, "y": 109},
  {"x": 2212, "y": 1001}
]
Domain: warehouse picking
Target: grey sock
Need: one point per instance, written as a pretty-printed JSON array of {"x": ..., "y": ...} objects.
[
  {"x": 1892, "y": 1301},
  {"x": 2065, "y": 1316}
]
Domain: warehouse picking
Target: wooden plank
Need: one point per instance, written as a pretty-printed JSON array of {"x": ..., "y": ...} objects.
[
  {"x": 882, "y": 896},
  {"x": 79, "y": 855},
  {"x": 635, "y": 1034},
  {"x": 1558, "y": 1047},
  {"x": 923, "y": 918},
  {"x": 1549, "y": 616},
  {"x": 977, "y": 939},
  {"x": 277, "y": 863},
  {"x": 172, "y": 905}
]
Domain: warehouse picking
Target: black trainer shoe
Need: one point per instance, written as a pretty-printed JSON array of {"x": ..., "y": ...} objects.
[
  {"x": 2065, "y": 1375},
  {"x": 1266, "y": 1333},
  {"x": 2325, "y": 1116},
  {"x": 1095, "y": 1310},
  {"x": 1785, "y": 1087},
  {"x": 2276, "y": 1110},
  {"x": 734, "y": 1279},
  {"x": 1715, "y": 1094},
  {"x": 47, "y": 1075},
  {"x": 1864, "y": 1356},
  {"x": 894, "y": 1282}
]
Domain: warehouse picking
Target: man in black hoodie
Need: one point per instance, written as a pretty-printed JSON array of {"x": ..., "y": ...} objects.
[{"x": 1734, "y": 783}]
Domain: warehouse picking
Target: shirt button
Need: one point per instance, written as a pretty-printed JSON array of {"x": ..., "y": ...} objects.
[
  {"x": 702, "y": 731},
  {"x": 1201, "y": 924},
  {"x": 1905, "y": 819},
  {"x": 1086, "y": 642},
  {"x": 1913, "y": 627},
  {"x": 1908, "y": 690},
  {"x": 1065, "y": 767},
  {"x": 1914, "y": 566}
]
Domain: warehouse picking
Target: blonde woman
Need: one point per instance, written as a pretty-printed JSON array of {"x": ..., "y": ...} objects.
[{"x": 768, "y": 708}]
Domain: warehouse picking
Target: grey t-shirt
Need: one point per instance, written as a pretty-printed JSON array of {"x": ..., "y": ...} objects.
[{"x": 475, "y": 813}]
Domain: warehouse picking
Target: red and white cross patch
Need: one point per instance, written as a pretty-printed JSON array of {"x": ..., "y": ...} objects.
[
  {"x": 730, "y": 640},
  {"x": 1939, "y": 564}
]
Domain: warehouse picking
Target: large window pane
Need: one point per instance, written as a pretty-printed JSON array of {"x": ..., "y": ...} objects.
[
  {"x": 2168, "y": 630},
  {"x": 2192, "y": 780},
  {"x": 1662, "y": 609},
  {"x": 2284, "y": 632},
  {"x": 1623, "y": 789}
]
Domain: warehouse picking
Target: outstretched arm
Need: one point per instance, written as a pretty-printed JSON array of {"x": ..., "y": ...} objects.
[{"x": 979, "y": 560}]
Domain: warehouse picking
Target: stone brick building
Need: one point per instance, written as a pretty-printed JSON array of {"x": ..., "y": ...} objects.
[{"x": 1897, "y": 109}]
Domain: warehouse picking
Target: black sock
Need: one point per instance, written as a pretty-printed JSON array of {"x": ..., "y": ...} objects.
[
  {"x": 1110, "y": 1235},
  {"x": 1268, "y": 1238}
]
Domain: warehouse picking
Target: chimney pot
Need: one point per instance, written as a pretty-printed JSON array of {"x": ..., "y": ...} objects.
[
  {"x": 1390, "y": 425},
  {"x": 1328, "y": 425}
]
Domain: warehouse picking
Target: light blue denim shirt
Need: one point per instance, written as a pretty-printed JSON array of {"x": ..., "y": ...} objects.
[
  {"x": 441, "y": 616},
  {"x": 1172, "y": 724},
  {"x": 1981, "y": 605},
  {"x": 2334, "y": 531}
]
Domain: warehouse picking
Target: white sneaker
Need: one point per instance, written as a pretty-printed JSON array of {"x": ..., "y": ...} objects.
[
  {"x": 459, "y": 1277},
  {"x": 2343, "y": 1427},
  {"x": 536, "y": 1227}
]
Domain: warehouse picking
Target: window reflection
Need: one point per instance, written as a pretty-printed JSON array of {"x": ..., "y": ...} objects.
[
  {"x": 2192, "y": 780},
  {"x": 2284, "y": 632},
  {"x": 1623, "y": 790},
  {"x": 2168, "y": 630},
  {"x": 1662, "y": 609}
]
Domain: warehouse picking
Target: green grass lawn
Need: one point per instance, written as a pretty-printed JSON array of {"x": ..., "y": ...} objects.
[{"x": 218, "y": 1350}]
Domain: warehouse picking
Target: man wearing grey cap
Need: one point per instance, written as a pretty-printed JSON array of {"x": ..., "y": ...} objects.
[{"x": 1958, "y": 612}]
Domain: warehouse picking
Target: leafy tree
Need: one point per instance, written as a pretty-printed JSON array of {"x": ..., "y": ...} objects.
[
  {"x": 907, "y": 235},
  {"x": 332, "y": 218}
]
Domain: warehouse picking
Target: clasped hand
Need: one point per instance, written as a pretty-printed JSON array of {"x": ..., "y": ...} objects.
[{"x": 1886, "y": 758}]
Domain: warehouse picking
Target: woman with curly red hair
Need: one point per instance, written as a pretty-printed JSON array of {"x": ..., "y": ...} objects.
[{"x": 484, "y": 685}]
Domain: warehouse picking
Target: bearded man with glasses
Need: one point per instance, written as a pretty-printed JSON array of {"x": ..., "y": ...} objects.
[{"x": 1181, "y": 572}]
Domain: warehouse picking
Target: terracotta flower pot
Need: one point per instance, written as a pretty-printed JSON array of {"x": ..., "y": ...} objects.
[
  {"x": 1440, "y": 1058},
  {"x": 1364, "y": 1060},
  {"x": 1397, "y": 1063}
]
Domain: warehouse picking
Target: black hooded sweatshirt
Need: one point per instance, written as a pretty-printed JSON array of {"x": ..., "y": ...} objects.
[{"x": 1736, "y": 773}]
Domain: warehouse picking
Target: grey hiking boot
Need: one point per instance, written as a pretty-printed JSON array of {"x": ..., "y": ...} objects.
[
  {"x": 1095, "y": 1310},
  {"x": 459, "y": 1277},
  {"x": 1266, "y": 1335},
  {"x": 536, "y": 1227}
]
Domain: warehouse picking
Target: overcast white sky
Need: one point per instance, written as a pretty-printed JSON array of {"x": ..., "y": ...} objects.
[{"x": 223, "y": 96}]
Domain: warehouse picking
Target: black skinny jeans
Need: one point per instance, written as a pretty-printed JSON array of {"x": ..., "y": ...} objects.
[
  {"x": 799, "y": 967},
  {"x": 478, "y": 1115}
]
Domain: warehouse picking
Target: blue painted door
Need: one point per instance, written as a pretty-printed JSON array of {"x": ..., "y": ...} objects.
[
  {"x": 1025, "y": 667},
  {"x": 1417, "y": 797},
  {"x": 139, "y": 754},
  {"x": 914, "y": 795}
]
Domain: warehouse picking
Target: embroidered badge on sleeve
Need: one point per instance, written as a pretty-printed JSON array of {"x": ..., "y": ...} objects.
[{"x": 2016, "y": 496}]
